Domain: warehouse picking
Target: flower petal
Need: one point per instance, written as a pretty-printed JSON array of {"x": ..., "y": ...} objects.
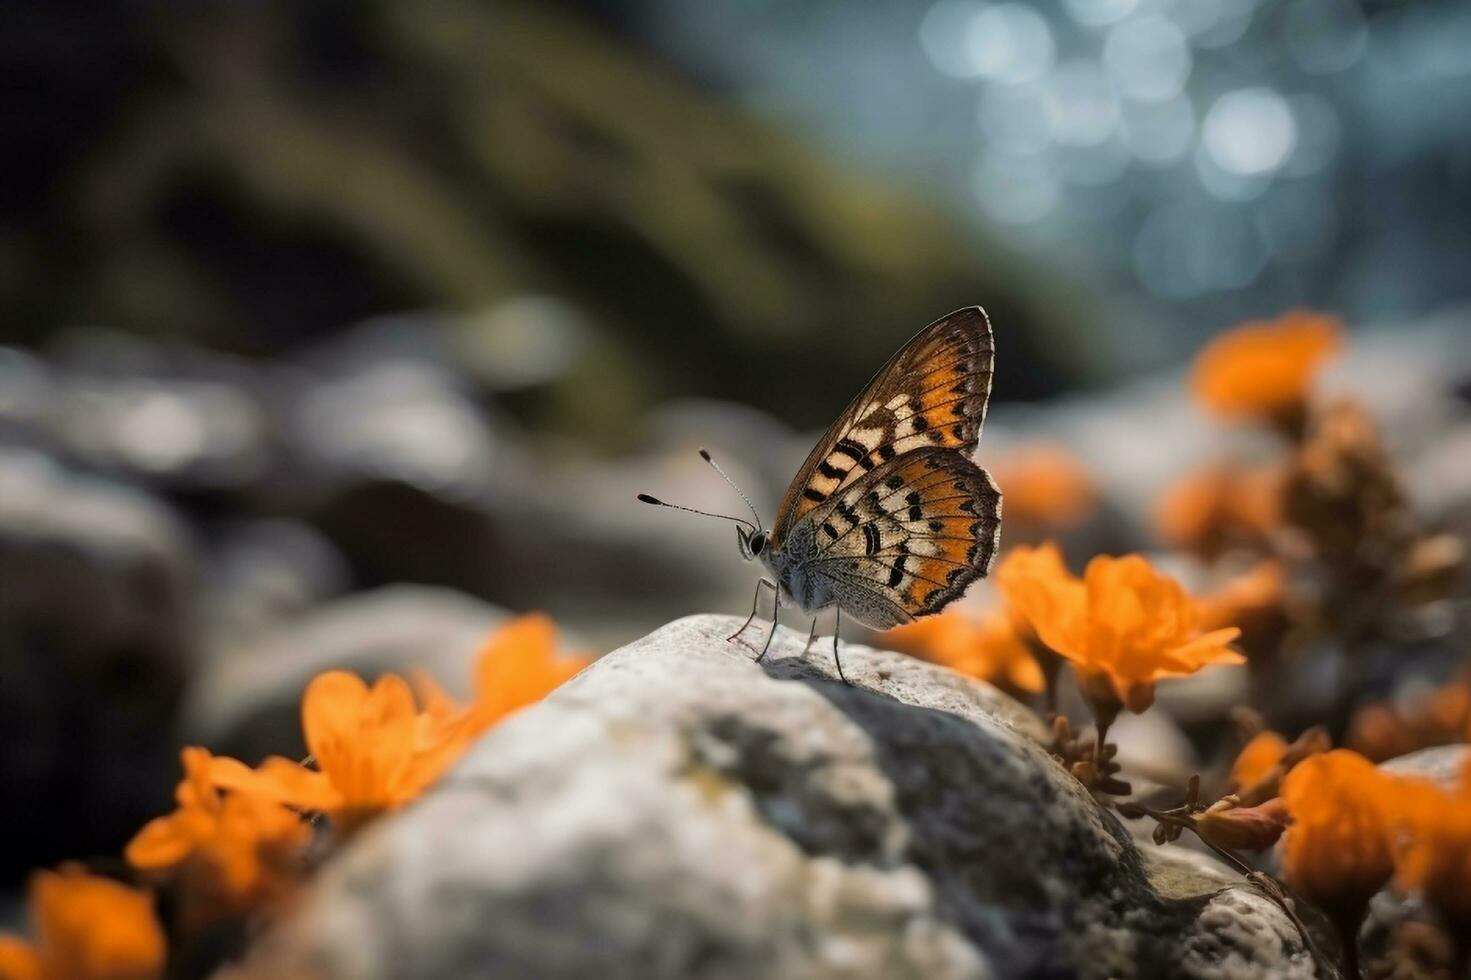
[
  {"x": 278, "y": 780},
  {"x": 331, "y": 713},
  {"x": 18, "y": 960},
  {"x": 164, "y": 841},
  {"x": 93, "y": 927}
]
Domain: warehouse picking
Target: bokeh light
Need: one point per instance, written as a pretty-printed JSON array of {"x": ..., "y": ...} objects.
[
  {"x": 1249, "y": 132},
  {"x": 1148, "y": 59},
  {"x": 1010, "y": 43}
]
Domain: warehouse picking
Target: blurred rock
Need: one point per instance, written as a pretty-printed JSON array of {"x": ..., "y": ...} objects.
[
  {"x": 382, "y": 406},
  {"x": 1438, "y": 481},
  {"x": 25, "y": 393},
  {"x": 1154, "y": 750},
  {"x": 414, "y": 478},
  {"x": 760, "y": 452},
  {"x": 1207, "y": 697},
  {"x": 95, "y": 612},
  {"x": 624, "y": 566},
  {"x": 262, "y": 572},
  {"x": 246, "y": 701},
  {"x": 172, "y": 416},
  {"x": 1441, "y": 763},
  {"x": 397, "y": 463},
  {"x": 1407, "y": 374},
  {"x": 679, "y": 811},
  {"x": 1388, "y": 911}
]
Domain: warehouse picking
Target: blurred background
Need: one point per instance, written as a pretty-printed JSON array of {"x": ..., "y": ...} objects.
[{"x": 331, "y": 333}]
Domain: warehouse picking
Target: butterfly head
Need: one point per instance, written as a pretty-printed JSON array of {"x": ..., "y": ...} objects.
[
  {"x": 752, "y": 542},
  {"x": 753, "y": 539}
]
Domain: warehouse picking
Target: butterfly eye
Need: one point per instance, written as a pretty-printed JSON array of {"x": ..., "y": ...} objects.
[{"x": 758, "y": 542}]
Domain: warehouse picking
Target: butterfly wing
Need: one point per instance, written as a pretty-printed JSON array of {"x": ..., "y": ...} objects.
[
  {"x": 931, "y": 393},
  {"x": 906, "y": 538}
]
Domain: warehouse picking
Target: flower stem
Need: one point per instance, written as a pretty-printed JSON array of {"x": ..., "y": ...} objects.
[
  {"x": 1051, "y": 665},
  {"x": 1348, "y": 947},
  {"x": 1104, "y": 723}
]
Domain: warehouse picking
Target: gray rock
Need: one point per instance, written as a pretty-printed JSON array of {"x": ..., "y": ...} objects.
[
  {"x": 412, "y": 476},
  {"x": 262, "y": 572},
  {"x": 1441, "y": 763},
  {"x": 95, "y": 607},
  {"x": 179, "y": 418},
  {"x": 246, "y": 701},
  {"x": 26, "y": 391},
  {"x": 680, "y": 811}
]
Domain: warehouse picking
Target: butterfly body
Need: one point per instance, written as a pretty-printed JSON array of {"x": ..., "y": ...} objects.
[{"x": 888, "y": 518}]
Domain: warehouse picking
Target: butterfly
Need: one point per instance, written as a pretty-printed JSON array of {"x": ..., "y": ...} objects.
[{"x": 889, "y": 518}]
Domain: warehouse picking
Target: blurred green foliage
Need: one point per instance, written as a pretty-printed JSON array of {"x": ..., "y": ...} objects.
[{"x": 253, "y": 175}]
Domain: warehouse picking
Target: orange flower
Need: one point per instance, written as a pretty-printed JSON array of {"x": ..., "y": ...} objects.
[
  {"x": 373, "y": 749},
  {"x": 1263, "y": 369},
  {"x": 1258, "y": 760},
  {"x": 87, "y": 928},
  {"x": 1208, "y": 510},
  {"x": 987, "y": 647},
  {"x": 1249, "y": 596},
  {"x": 1443, "y": 717},
  {"x": 1036, "y": 585},
  {"x": 19, "y": 960},
  {"x": 1256, "y": 776},
  {"x": 1379, "y": 733},
  {"x": 517, "y": 666},
  {"x": 1434, "y": 855},
  {"x": 1045, "y": 486},
  {"x": 1337, "y": 852},
  {"x": 1124, "y": 626},
  {"x": 233, "y": 853}
]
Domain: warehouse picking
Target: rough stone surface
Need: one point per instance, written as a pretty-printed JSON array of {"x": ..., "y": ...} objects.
[{"x": 680, "y": 811}]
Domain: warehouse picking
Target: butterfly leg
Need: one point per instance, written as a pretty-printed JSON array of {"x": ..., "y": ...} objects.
[
  {"x": 775, "y": 608},
  {"x": 837, "y": 621},
  {"x": 812, "y": 634},
  {"x": 755, "y": 604}
]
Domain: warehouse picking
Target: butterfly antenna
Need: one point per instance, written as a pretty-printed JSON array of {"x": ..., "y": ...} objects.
[
  {"x": 703, "y": 513},
  {"x": 705, "y": 455}
]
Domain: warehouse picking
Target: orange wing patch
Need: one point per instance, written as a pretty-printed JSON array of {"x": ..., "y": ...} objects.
[
  {"x": 932, "y": 394},
  {"x": 914, "y": 532},
  {"x": 953, "y": 537}
]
